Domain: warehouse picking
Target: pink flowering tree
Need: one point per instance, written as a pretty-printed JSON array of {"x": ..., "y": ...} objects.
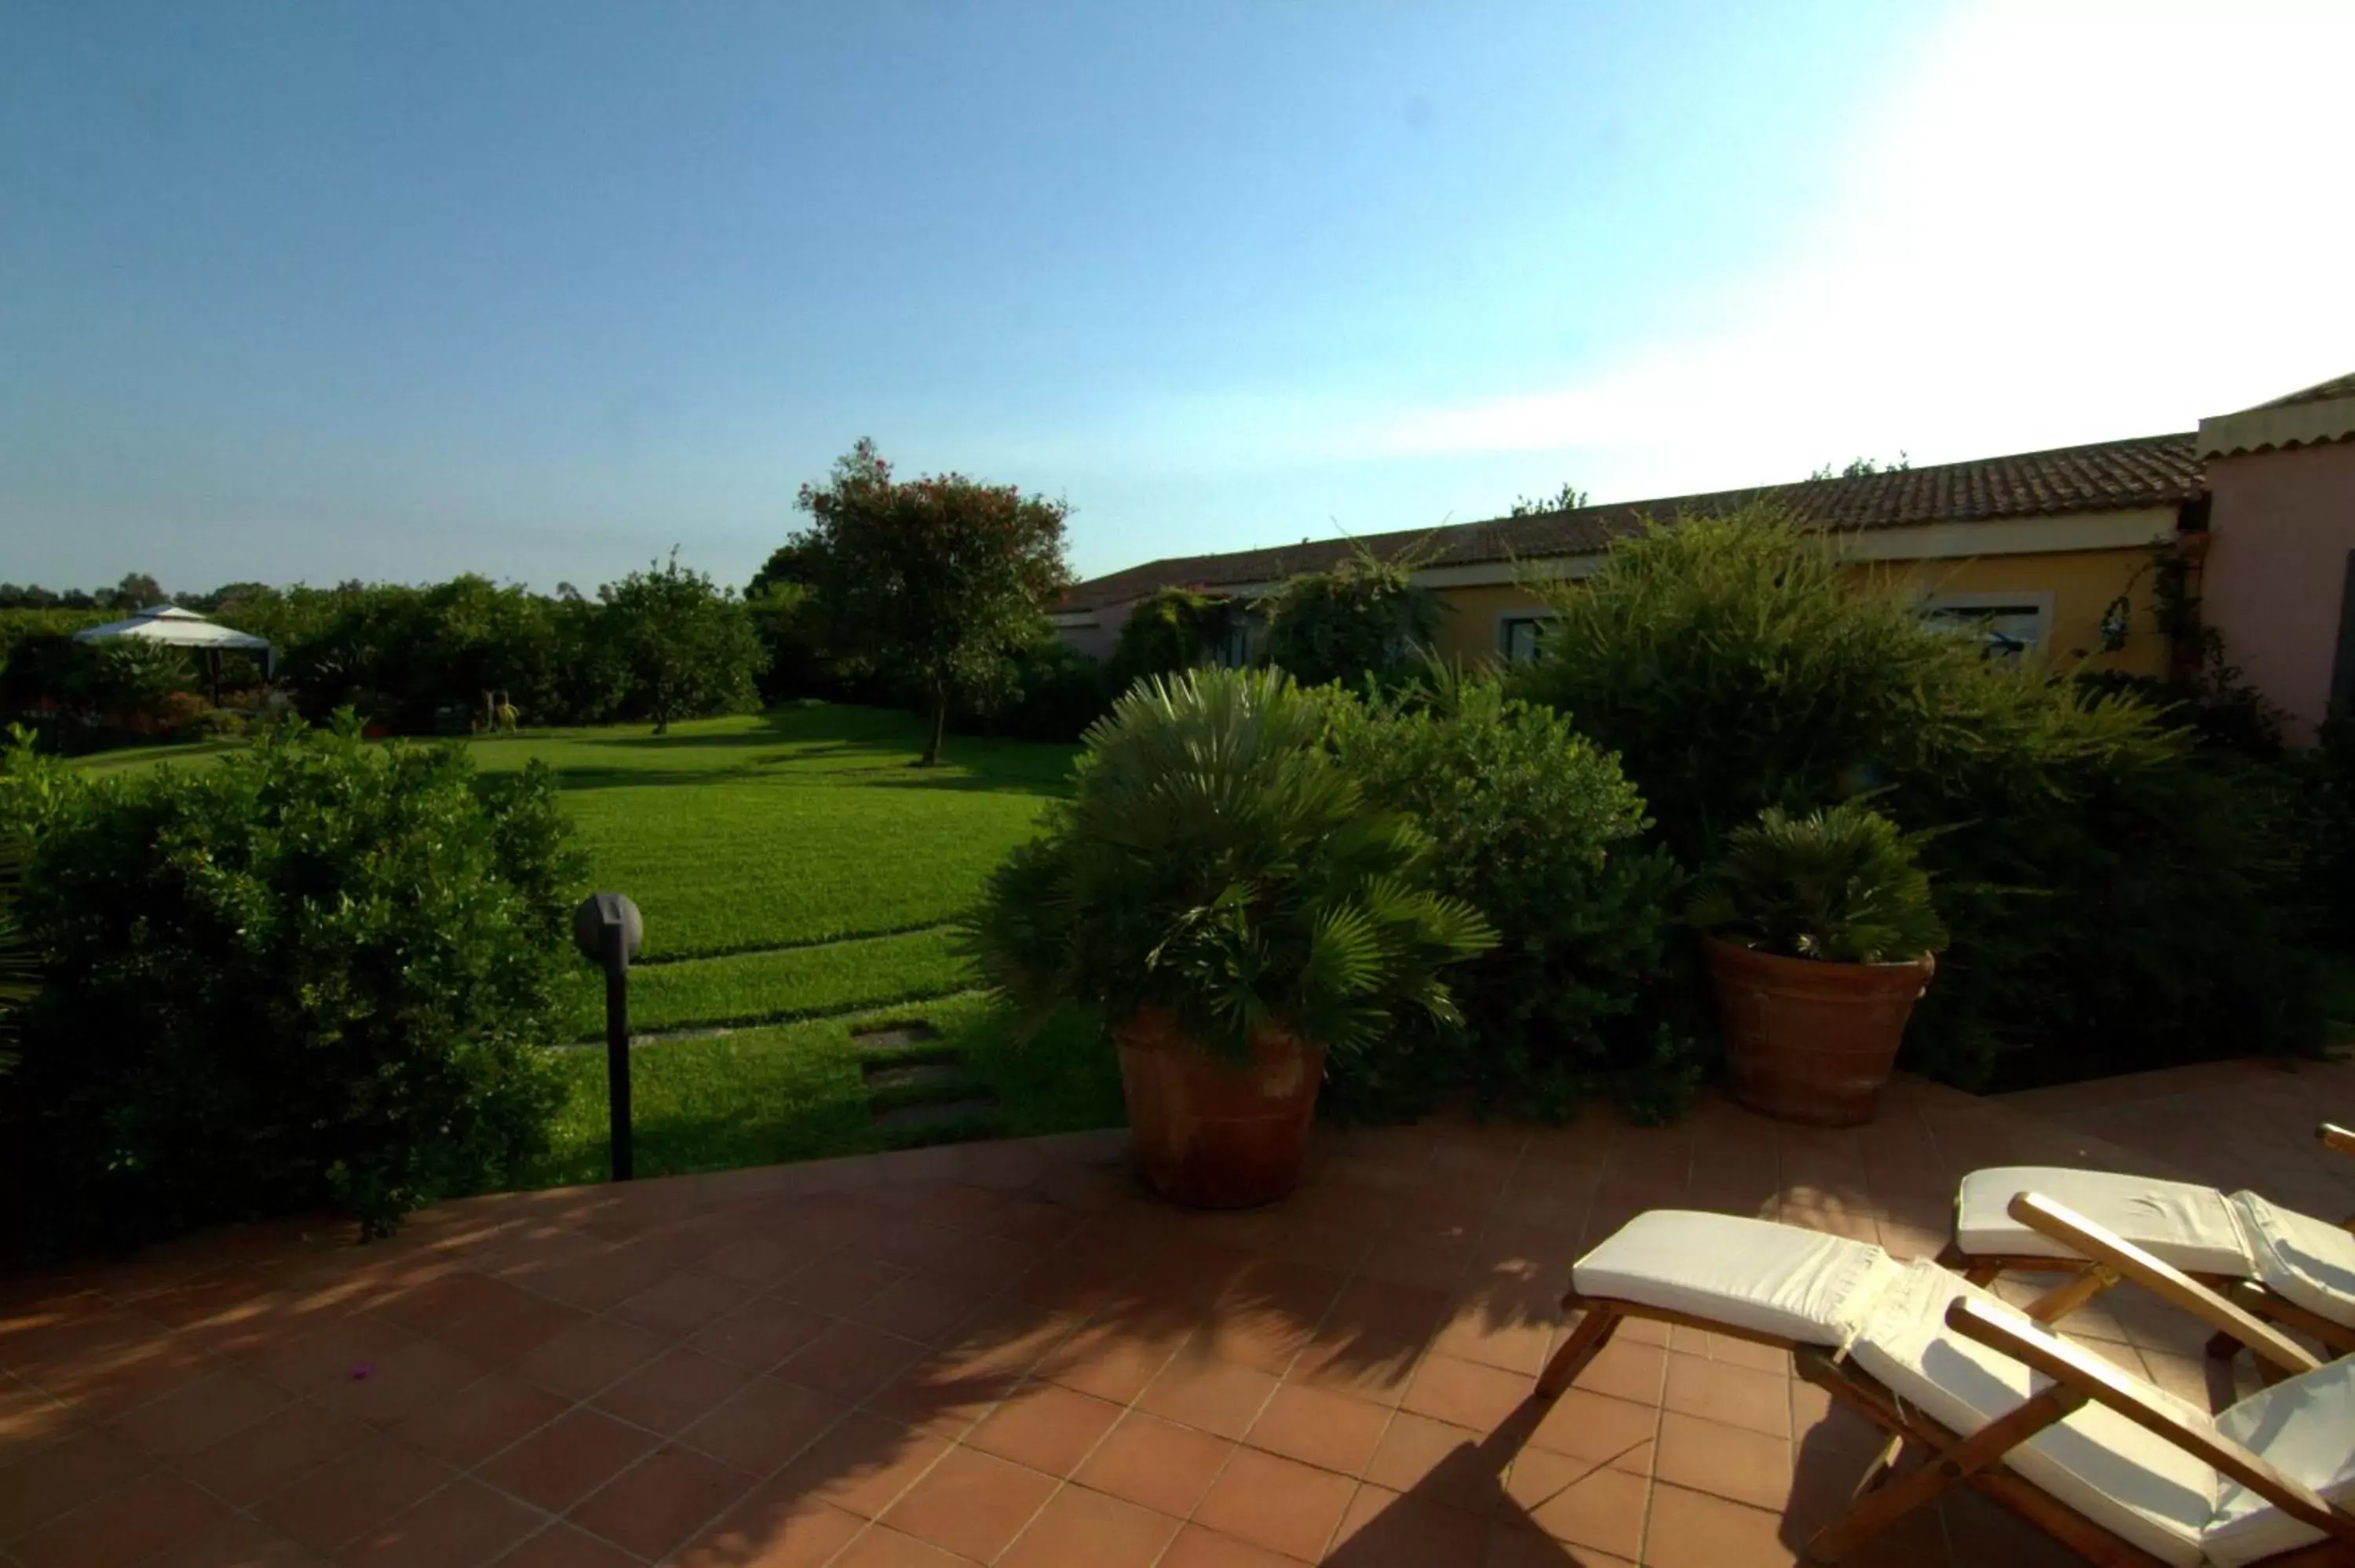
[{"x": 936, "y": 579}]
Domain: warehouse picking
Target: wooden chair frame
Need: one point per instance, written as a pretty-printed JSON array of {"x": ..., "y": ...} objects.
[
  {"x": 2339, "y": 1339},
  {"x": 2078, "y": 1377}
]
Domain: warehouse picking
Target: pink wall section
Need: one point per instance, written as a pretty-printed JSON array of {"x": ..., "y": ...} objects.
[
  {"x": 2281, "y": 528},
  {"x": 1098, "y": 640}
]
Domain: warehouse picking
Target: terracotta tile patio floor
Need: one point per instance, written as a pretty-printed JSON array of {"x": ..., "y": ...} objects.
[{"x": 1001, "y": 1353}]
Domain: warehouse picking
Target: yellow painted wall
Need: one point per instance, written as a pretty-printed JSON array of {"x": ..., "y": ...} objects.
[
  {"x": 1467, "y": 625},
  {"x": 2083, "y": 584}
]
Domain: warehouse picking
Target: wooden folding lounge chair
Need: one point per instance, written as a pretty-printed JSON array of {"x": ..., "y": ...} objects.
[
  {"x": 1992, "y": 1398},
  {"x": 2274, "y": 1263}
]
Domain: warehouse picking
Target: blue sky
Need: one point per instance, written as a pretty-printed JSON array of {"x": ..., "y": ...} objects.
[{"x": 312, "y": 291}]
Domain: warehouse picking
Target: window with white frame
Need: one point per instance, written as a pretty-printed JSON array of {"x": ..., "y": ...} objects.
[
  {"x": 2008, "y": 626},
  {"x": 1519, "y": 636}
]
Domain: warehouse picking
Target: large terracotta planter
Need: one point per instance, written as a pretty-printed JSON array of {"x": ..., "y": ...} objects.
[
  {"x": 1809, "y": 1040},
  {"x": 1213, "y": 1133}
]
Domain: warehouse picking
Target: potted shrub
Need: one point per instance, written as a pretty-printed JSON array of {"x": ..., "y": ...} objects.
[
  {"x": 1818, "y": 932},
  {"x": 1220, "y": 892}
]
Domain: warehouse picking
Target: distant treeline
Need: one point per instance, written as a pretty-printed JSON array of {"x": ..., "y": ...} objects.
[{"x": 659, "y": 644}]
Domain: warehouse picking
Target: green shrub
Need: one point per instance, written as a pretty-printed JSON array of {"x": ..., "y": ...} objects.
[
  {"x": 2322, "y": 777},
  {"x": 1044, "y": 690},
  {"x": 318, "y": 972},
  {"x": 786, "y": 617},
  {"x": 19, "y": 628},
  {"x": 19, "y": 973},
  {"x": 687, "y": 645},
  {"x": 1364, "y": 617},
  {"x": 1217, "y": 862},
  {"x": 1841, "y": 885},
  {"x": 1170, "y": 630},
  {"x": 1537, "y": 829},
  {"x": 2113, "y": 897}
]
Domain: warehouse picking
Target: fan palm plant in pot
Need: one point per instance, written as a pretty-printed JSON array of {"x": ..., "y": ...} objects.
[
  {"x": 1220, "y": 893},
  {"x": 1819, "y": 934}
]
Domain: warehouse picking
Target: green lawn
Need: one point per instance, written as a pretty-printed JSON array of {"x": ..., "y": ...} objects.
[
  {"x": 793, "y": 1091},
  {"x": 800, "y": 879},
  {"x": 790, "y": 983},
  {"x": 800, "y": 825}
]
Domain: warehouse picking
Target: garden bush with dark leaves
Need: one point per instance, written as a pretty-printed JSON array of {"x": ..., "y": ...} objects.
[
  {"x": 320, "y": 973},
  {"x": 2117, "y": 898},
  {"x": 1535, "y": 827}
]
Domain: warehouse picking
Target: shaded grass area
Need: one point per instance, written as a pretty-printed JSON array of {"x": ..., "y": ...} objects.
[
  {"x": 850, "y": 744},
  {"x": 794, "y": 1092},
  {"x": 128, "y": 757},
  {"x": 727, "y": 866},
  {"x": 753, "y": 988},
  {"x": 804, "y": 824}
]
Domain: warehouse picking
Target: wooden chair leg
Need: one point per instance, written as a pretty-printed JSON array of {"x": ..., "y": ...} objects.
[
  {"x": 1879, "y": 1506},
  {"x": 1884, "y": 1465},
  {"x": 2071, "y": 1293},
  {"x": 2335, "y": 1338},
  {"x": 1583, "y": 1343}
]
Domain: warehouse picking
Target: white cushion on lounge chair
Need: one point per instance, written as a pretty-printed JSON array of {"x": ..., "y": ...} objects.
[
  {"x": 2300, "y": 1258},
  {"x": 2132, "y": 1482},
  {"x": 1801, "y": 1285},
  {"x": 2192, "y": 1227},
  {"x": 2305, "y": 1427}
]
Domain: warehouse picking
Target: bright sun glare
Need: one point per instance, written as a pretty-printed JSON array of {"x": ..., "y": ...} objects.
[{"x": 2139, "y": 205}]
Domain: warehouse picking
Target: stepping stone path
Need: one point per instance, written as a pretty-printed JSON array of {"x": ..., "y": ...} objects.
[{"x": 916, "y": 1088}]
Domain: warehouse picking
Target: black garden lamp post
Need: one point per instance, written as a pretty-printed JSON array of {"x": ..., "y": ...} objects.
[{"x": 608, "y": 928}]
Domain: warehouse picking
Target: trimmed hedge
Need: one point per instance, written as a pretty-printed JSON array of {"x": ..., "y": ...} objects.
[{"x": 318, "y": 973}]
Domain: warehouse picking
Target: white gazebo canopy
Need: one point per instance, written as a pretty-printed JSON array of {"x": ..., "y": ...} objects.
[{"x": 176, "y": 628}]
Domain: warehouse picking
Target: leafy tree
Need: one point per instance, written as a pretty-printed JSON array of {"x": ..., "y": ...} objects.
[
  {"x": 791, "y": 624},
  {"x": 1364, "y": 616},
  {"x": 1859, "y": 468},
  {"x": 688, "y": 647},
  {"x": 1568, "y": 498},
  {"x": 1171, "y": 630},
  {"x": 225, "y": 598},
  {"x": 792, "y": 562},
  {"x": 137, "y": 591},
  {"x": 938, "y": 578},
  {"x": 126, "y": 676}
]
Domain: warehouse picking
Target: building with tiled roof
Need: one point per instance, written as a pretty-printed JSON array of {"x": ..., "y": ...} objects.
[{"x": 2046, "y": 553}]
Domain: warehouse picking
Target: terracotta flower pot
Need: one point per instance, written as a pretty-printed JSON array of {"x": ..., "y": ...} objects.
[
  {"x": 1213, "y": 1133},
  {"x": 1810, "y": 1041}
]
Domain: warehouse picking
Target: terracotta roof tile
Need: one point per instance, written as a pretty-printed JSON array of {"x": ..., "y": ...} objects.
[
  {"x": 2321, "y": 392},
  {"x": 2147, "y": 471}
]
